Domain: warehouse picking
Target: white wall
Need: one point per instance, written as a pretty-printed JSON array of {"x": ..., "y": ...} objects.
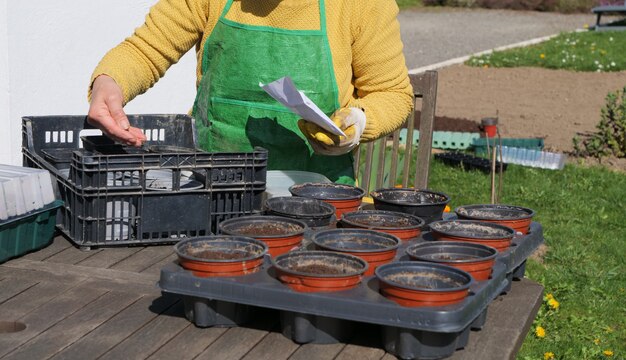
[{"x": 48, "y": 50}]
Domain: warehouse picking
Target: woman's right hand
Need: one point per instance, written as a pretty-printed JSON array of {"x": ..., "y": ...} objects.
[{"x": 106, "y": 112}]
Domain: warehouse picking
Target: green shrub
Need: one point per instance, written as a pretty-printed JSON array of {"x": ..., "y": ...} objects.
[{"x": 610, "y": 139}]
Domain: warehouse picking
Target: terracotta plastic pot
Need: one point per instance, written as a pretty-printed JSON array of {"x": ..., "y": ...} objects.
[
  {"x": 344, "y": 198},
  {"x": 486, "y": 233},
  {"x": 280, "y": 234},
  {"x": 319, "y": 271},
  {"x": 425, "y": 204},
  {"x": 416, "y": 283},
  {"x": 374, "y": 247},
  {"x": 476, "y": 259},
  {"x": 313, "y": 212},
  {"x": 221, "y": 255},
  {"x": 516, "y": 217},
  {"x": 404, "y": 226}
]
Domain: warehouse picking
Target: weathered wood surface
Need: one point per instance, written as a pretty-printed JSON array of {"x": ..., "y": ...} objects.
[{"x": 105, "y": 304}]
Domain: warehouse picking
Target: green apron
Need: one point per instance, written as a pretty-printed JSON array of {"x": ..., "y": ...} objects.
[{"x": 234, "y": 114}]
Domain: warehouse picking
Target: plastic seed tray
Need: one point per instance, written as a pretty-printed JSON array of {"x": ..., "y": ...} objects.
[
  {"x": 27, "y": 232},
  {"x": 468, "y": 161},
  {"x": 418, "y": 332},
  {"x": 136, "y": 196}
]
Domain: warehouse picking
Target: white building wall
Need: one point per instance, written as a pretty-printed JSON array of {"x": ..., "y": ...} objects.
[{"x": 48, "y": 50}]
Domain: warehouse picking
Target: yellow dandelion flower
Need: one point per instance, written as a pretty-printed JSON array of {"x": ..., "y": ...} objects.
[
  {"x": 485, "y": 66},
  {"x": 548, "y": 355},
  {"x": 596, "y": 341},
  {"x": 607, "y": 353},
  {"x": 543, "y": 56},
  {"x": 540, "y": 332},
  {"x": 608, "y": 329},
  {"x": 549, "y": 296},
  {"x": 554, "y": 304},
  {"x": 586, "y": 26}
]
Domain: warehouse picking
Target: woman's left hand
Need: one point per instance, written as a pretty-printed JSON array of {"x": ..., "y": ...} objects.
[{"x": 350, "y": 120}]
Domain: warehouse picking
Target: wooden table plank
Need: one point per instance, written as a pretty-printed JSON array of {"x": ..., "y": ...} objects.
[
  {"x": 143, "y": 259},
  {"x": 233, "y": 344},
  {"x": 58, "y": 244},
  {"x": 118, "y": 328},
  {"x": 47, "y": 315},
  {"x": 188, "y": 343},
  {"x": 32, "y": 298},
  {"x": 317, "y": 352},
  {"x": 360, "y": 352},
  {"x": 156, "y": 268},
  {"x": 108, "y": 257},
  {"x": 151, "y": 337},
  {"x": 72, "y": 255},
  {"x": 509, "y": 318},
  {"x": 274, "y": 346},
  {"x": 10, "y": 288},
  {"x": 365, "y": 344},
  {"x": 73, "y": 327}
]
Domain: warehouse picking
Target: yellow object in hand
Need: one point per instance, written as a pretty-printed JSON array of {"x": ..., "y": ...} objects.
[{"x": 350, "y": 120}]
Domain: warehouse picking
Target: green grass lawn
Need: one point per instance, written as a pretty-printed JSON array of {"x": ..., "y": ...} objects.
[
  {"x": 578, "y": 51},
  {"x": 582, "y": 211},
  {"x": 403, "y": 4}
]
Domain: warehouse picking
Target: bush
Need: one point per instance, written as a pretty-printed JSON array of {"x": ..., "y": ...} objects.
[{"x": 610, "y": 140}]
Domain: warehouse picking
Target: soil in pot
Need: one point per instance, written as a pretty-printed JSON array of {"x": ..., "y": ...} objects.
[
  {"x": 374, "y": 247},
  {"x": 319, "y": 271},
  {"x": 425, "y": 204},
  {"x": 486, "y": 233},
  {"x": 344, "y": 198},
  {"x": 313, "y": 212},
  {"x": 279, "y": 233},
  {"x": 221, "y": 255},
  {"x": 415, "y": 283},
  {"x": 516, "y": 217},
  {"x": 404, "y": 226},
  {"x": 476, "y": 259}
]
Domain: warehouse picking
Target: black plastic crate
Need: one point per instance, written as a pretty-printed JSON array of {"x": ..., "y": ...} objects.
[
  {"x": 114, "y": 199},
  {"x": 469, "y": 162}
]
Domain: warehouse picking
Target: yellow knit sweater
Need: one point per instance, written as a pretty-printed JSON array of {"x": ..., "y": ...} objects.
[{"x": 364, "y": 37}]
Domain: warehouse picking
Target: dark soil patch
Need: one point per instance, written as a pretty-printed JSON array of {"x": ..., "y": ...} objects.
[
  {"x": 317, "y": 269},
  {"x": 220, "y": 255},
  {"x": 265, "y": 229},
  {"x": 385, "y": 222},
  {"x": 444, "y": 123}
]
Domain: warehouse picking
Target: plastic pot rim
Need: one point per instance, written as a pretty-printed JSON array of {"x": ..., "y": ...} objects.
[
  {"x": 353, "y": 258},
  {"x": 419, "y": 225},
  {"x": 360, "y": 195},
  {"x": 315, "y": 239},
  {"x": 259, "y": 218},
  {"x": 221, "y": 238},
  {"x": 375, "y": 195},
  {"x": 529, "y": 212},
  {"x": 510, "y": 231},
  {"x": 424, "y": 265},
  {"x": 329, "y": 210},
  {"x": 494, "y": 252}
]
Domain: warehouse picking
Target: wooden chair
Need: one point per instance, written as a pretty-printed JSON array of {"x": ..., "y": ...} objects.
[{"x": 377, "y": 155}]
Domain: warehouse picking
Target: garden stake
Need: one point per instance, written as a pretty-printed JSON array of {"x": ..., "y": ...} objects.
[
  {"x": 501, "y": 167},
  {"x": 493, "y": 176}
]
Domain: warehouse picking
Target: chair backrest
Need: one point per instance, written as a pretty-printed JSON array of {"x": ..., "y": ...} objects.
[{"x": 381, "y": 161}]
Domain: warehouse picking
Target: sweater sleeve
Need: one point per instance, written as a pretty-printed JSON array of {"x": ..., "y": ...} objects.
[
  {"x": 171, "y": 28},
  {"x": 380, "y": 75}
]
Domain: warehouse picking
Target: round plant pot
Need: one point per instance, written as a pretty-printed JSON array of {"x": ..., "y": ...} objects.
[
  {"x": 425, "y": 204},
  {"x": 374, "y": 247},
  {"x": 490, "y": 234},
  {"x": 344, "y": 198},
  {"x": 221, "y": 255},
  {"x": 516, "y": 217},
  {"x": 404, "y": 226},
  {"x": 280, "y": 234},
  {"x": 313, "y": 212},
  {"x": 476, "y": 259},
  {"x": 319, "y": 271},
  {"x": 416, "y": 283}
]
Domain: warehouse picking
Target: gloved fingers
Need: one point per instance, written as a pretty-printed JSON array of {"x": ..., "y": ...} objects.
[
  {"x": 342, "y": 118},
  {"x": 315, "y": 133}
]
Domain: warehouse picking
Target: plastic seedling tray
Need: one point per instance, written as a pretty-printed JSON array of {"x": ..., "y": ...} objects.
[
  {"x": 408, "y": 332},
  {"x": 468, "y": 161},
  {"x": 27, "y": 232}
]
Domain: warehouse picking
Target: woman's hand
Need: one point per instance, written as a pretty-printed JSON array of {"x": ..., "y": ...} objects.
[
  {"x": 106, "y": 112},
  {"x": 350, "y": 120}
]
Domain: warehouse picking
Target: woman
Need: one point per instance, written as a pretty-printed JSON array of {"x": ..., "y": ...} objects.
[{"x": 345, "y": 55}]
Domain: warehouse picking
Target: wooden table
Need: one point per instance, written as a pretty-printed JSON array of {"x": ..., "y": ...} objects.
[{"x": 105, "y": 304}]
